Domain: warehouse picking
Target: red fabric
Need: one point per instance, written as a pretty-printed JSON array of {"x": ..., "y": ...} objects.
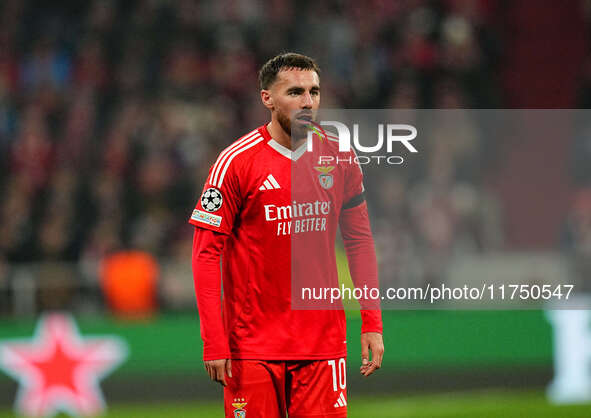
[
  {"x": 266, "y": 389},
  {"x": 263, "y": 219},
  {"x": 207, "y": 248},
  {"x": 363, "y": 266}
]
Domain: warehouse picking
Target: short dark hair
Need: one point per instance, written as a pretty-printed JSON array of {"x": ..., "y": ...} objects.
[{"x": 268, "y": 72}]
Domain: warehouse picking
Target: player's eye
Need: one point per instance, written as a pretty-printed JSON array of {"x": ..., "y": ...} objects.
[{"x": 293, "y": 93}]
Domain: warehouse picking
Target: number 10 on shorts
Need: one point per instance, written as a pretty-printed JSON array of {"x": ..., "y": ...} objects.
[{"x": 339, "y": 374}]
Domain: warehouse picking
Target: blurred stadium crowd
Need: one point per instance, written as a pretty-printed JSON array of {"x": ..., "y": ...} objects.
[{"x": 112, "y": 111}]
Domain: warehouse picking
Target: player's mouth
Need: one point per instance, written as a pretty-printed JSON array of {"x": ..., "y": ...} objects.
[{"x": 305, "y": 118}]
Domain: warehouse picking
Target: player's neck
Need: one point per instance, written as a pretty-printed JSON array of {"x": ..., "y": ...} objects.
[{"x": 278, "y": 134}]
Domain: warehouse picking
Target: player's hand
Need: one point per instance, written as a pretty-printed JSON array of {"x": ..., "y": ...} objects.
[
  {"x": 217, "y": 369},
  {"x": 371, "y": 341}
]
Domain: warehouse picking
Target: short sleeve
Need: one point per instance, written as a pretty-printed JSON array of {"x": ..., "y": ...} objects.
[
  {"x": 220, "y": 200},
  {"x": 353, "y": 187}
]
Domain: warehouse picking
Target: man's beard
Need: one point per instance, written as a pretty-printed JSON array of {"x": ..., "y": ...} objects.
[
  {"x": 297, "y": 131},
  {"x": 285, "y": 122}
]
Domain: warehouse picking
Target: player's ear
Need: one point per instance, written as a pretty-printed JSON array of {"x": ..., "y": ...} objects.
[{"x": 267, "y": 99}]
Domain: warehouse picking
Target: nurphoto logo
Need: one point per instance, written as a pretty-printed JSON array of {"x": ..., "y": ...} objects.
[{"x": 388, "y": 134}]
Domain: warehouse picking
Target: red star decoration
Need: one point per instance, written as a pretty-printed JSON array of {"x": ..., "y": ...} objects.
[{"x": 58, "y": 370}]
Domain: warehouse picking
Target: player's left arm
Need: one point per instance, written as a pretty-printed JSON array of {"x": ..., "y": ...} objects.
[
  {"x": 359, "y": 246},
  {"x": 361, "y": 255}
]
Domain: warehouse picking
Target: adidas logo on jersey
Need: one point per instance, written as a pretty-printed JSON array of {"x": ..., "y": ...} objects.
[
  {"x": 270, "y": 183},
  {"x": 341, "y": 401}
]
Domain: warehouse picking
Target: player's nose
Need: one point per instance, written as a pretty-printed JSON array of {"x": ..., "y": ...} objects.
[{"x": 307, "y": 101}]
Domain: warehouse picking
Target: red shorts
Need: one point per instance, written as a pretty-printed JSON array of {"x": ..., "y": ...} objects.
[{"x": 270, "y": 389}]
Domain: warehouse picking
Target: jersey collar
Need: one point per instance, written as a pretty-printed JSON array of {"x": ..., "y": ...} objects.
[{"x": 286, "y": 152}]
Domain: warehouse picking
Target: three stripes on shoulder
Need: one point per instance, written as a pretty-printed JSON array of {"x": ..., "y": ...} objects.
[{"x": 225, "y": 158}]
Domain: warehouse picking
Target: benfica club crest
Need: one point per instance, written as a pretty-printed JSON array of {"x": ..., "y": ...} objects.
[
  {"x": 58, "y": 369},
  {"x": 238, "y": 405},
  {"x": 326, "y": 180}
]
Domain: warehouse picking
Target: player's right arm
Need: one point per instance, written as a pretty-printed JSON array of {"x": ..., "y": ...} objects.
[
  {"x": 213, "y": 218},
  {"x": 207, "y": 249}
]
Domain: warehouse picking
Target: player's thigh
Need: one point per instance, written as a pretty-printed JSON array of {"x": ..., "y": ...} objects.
[
  {"x": 317, "y": 389},
  {"x": 256, "y": 389}
]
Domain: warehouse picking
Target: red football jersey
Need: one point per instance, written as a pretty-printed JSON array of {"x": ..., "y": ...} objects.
[{"x": 249, "y": 196}]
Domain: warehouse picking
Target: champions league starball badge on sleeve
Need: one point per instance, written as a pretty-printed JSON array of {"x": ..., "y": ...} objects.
[
  {"x": 58, "y": 370},
  {"x": 211, "y": 200}
]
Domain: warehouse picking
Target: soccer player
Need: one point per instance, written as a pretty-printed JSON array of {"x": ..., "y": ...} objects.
[{"x": 273, "y": 359}]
